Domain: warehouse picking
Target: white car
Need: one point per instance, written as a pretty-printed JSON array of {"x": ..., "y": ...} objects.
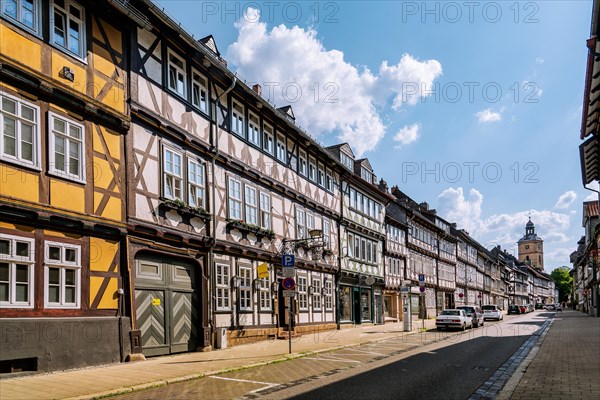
[
  {"x": 453, "y": 318},
  {"x": 491, "y": 311}
]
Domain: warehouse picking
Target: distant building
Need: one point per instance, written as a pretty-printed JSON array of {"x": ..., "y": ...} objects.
[{"x": 531, "y": 248}]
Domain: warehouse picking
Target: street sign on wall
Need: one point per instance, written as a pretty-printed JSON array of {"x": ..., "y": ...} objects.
[
  {"x": 421, "y": 277},
  {"x": 288, "y": 283},
  {"x": 287, "y": 260}
]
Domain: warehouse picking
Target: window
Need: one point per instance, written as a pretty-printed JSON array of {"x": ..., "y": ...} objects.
[
  {"x": 172, "y": 173},
  {"x": 329, "y": 181},
  {"x": 281, "y": 151},
  {"x": 350, "y": 245},
  {"x": 195, "y": 184},
  {"x": 16, "y": 271},
  {"x": 251, "y": 205},
  {"x": 328, "y": 294},
  {"x": 312, "y": 169},
  {"x": 366, "y": 175},
  {"x": 316, "y": 293},
  {"x": 352, "y": 198},
  {"x": 67, "y": 27},
  {"x": 222, "y": 286},
  {"x": 253, "y": 130},
  {"x": 176, "y": 78},
  {"x": 20, "y": 136},
  {"x": 265, "y": 294},
  {"x": 347, "y": 161},
  {"x": 235, "y": 198},
  {"x": 237, "y": 118},
  {"x": 326, "y": 233},
  {"x": 67, "y": 156},
  {"x": 62, "y": 275},
  {"x": 245, "y": 300},
  {"x": 199, "y": 91},
  {"x": 24, "y": 12},
  {"x": 265, "y": 210},
  {"x": 310, "y": 222},
  {"x": 302, "y": 293},
  {"x": 300, "y": 224},
  {"x": 302, "y": 164},
  {"x": 321, "y": 175},
  {"x": 364, "y": 249},
  {"x": 268, "y": 139}
]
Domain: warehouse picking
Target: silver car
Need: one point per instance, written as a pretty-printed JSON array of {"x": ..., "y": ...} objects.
[
  {"x": 475, "y": 313},
  {"x": 491, "y": 311}
]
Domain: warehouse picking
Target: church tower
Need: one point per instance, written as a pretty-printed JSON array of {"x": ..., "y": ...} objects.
[{"x": 531, "y": 247}]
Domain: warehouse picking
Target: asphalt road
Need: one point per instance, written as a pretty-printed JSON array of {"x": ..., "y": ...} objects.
[{"x": 428, "y": 365}]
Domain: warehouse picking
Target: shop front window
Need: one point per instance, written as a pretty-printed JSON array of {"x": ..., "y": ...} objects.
[{"x": 365, "y": 305}]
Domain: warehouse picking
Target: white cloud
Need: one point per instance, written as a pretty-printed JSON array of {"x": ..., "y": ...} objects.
[
  {"x": 408, "y": 134},
  {"x": 539, "y": 60},
  {"x": 593, "y": 196},
  {"x": 328, "y": 94},
  {"x": 488, "y": 115},
  {"x": 456, "y": 208},
  {"x": 565, "y": 200}
]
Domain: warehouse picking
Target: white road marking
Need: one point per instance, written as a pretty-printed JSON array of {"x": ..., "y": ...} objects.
[
  {"x": 267, "y": 384},
  {"x": 332, "y": 359},
  {"x": 368, "y": 352}
]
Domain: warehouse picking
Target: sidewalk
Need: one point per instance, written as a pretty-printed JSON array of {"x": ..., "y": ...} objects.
[
  {"x": 564, "y": 364},
  {"x": 121, "y": 378}
]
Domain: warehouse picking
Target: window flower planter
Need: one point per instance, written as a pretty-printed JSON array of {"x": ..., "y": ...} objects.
[{"x": 246, "y": 228}]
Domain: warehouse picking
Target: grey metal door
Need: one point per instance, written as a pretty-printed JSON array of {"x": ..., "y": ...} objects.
[{"x": 166, "y": 306}]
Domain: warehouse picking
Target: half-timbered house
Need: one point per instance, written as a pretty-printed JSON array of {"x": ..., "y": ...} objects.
[
  {"x": 63, "y": 116},
  {"x": 222, "y": 183}
]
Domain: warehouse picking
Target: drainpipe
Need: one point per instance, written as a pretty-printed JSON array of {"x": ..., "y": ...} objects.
[{"x": 214, "y": 137}]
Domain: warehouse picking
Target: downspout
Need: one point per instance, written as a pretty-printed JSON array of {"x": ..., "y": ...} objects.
[{"x": 214, "y": 137}]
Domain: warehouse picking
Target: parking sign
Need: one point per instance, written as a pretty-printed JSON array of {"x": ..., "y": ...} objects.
[
  {"x": 421, "y": 278},
  {"x": 287, "y": 260}
]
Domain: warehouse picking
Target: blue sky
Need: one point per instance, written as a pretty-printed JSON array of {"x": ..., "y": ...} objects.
[{"x": 474, "y": 107}]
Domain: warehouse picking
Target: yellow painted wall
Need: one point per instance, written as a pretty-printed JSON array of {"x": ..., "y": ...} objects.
[
  {"x": 67, "y": 195},
  {"x": 20, "y": 48},
  {"x": 112, "y": 140},
  {"x": 48, "y": 232},
  {"x": 102, "y": 253},
  {"x": 22, "y": 228},
  {"x": 112, "y": 210},
  {"x": 20, "y": 184},
  {"x": 60, "y": 60},
  {"x": 109, "y": 298}
]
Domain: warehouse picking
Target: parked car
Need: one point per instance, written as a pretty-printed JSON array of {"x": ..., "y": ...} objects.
[
  {"x": 514, "y": 309},
  {"x": 539, "y": 306},
  {"x": 491, "y": 311},
  {"x": 530, "y": 308},
  {"x": 550, "y": 307},
  {"x": 523, "y": 309},
  {"x": 475, "y": 313},
  {"x": 453, "y": 318}
]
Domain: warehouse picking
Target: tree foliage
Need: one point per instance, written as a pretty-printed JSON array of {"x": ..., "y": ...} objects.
[{"x": 563, "y": 282}]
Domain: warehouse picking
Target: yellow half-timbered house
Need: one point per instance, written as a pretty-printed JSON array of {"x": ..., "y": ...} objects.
[{"x": 63, "y": 116}]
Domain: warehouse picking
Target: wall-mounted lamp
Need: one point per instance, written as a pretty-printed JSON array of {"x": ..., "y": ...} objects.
[
  {"x": 237, "y": 281},
  {"x": 67, "y": 73}
]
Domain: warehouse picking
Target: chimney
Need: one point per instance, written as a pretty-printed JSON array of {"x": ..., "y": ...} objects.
[
  {"x": 424, "y": 205},
  {"x": 257, "y": 89},
  {"x": 383, "y": 186}
]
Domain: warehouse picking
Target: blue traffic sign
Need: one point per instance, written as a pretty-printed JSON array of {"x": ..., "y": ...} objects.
[
  {"x": 287, "y": 260},
  {"x": 421, "y": 278}
]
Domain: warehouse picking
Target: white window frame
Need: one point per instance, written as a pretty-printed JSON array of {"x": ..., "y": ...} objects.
[
  {"x": 80, "y": 176},
  {"x": 328, "y": 285},
  {"x": 199, "y": 85},
  {"x": 170, "y": 174},
  {"x": 281, "y": 148},
  {"x": 320, "y": 175},
  {"x": 253, "y": 129},
  {"x": 265, "y": 294},
  {"x": 196, "y": 186},
  {"x": 18, "y": 18},
  {"x": 250, "y": 205},
  {"x": 316, "y": 293},
  {"x": 329, "y": 181},
  {"x": 222, "y": 282},
  {"x": 265, "y": 210},
  {"x": 326, "y": 224},
  {"x": 237, "y": 118},
  {"x": 302, "y": 293},
  {"x": 12, "y": 259},
  {"x": 180, "y": 74},
  {"x": 68, "y": 18},
  {"x": 234, "y": 197},
  {"x": 63, "y": 265},
  {"x": 312, "y": 169},
  {"x": 300, "y": 223},
  {"x": 268, "y": 139},
  {"x": 19, "y": 121},
  {"x": 303, "y": 163},
  {"x": 245, "y": 289},
  {"x": 310, "y": 222}
]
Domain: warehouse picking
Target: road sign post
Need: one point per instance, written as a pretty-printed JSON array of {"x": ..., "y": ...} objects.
[{"x": 288, "y": 284}]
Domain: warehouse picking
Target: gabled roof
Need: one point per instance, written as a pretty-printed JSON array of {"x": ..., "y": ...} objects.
[
  {"x": 209, "y": 42},
  {"x": 364, "y": 162},
  {"x": 344, "y": 147},
  {"x": 287, "y": 110}
]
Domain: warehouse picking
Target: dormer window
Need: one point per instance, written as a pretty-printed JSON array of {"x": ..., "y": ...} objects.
[
  {"x": 366, "y": 175},
  {"x": 346, "y": 160}
]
